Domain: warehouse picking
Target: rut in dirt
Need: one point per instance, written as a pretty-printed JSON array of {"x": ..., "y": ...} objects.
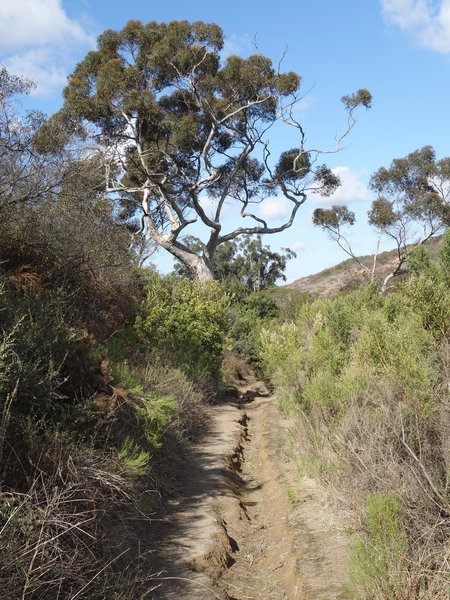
[{"x": 232, "y": 531}]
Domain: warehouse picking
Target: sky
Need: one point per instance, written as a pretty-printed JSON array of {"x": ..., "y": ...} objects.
[{"x": 398, "y": 49}]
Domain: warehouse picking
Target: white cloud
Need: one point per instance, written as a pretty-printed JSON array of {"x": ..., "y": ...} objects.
[
  {"x": 237, "y": 44},
  {"x": 209, "y": 205},
  {"x": 405, "y": 13},
  {"x": 276, "y": 207},
  {"x": 299, "y": 245},
  {"x": 25, "y": 23},
  {"x": 352, "y": 189},
  {"x": 427, "y": 20},
  {"x": 304, "y": 104},
  {"x": 38, "y": 39},
  {"x": 36, "y": 64}
]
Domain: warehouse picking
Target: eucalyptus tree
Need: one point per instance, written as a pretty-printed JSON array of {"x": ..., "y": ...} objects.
[
  {"x": 247, "y": 261},
  {"x": 412, "y": 205},
  {"x": 186, "y": 133}
]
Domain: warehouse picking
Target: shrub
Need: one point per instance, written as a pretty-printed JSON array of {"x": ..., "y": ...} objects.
[
  {"x": 41, "y": 345},
  {"x": 282, "y": 355},
  {"x": 379, "y": 564},
  {"x": 187, "y": 320},
  {"x": 366, "y": 376},
  {"x": 247, "y": 315},
  {"x": 428, "y": 296}
]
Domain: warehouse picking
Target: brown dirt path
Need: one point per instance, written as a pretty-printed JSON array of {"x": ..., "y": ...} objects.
[{"x": 241, "y": 528}]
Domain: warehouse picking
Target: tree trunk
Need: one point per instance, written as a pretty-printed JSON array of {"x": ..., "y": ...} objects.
[
  {"x": 198, "y": 266},
  {"x": 202, "y": 270}
]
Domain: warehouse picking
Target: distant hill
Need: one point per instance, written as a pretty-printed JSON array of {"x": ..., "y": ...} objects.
[{"x": 348, "y": 274}]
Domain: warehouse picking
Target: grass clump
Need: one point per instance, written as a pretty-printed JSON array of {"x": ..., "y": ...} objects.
[{"x": 379, "y": 556}]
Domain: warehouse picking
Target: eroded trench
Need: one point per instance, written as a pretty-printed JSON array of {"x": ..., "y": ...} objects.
[
  {"x": 263, "y": 561},
  {"x": 236, "y": 532}
]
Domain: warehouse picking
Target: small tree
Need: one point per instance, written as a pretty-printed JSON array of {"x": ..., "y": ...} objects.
[
  {"x": 179, "y": 126},
  {"x": 413, "y": 202},
  {"x": 26, "y": 175},
  {"x": 248, "y": 261},
  {"x": 412, "y": 205}
]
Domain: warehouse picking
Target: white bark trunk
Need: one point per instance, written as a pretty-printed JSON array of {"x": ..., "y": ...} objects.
[
  {"x": 198, "y": 266},
  {"x": 202, "y": 270},
  {"x": 374, "y": 266}
]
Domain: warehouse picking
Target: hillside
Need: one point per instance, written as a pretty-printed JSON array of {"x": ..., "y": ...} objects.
[{"x": 348, "y": 273}]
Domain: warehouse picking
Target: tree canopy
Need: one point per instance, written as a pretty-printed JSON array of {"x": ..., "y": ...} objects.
[
  {"x": 178, "y": 125},
  {"x": 411, "y": 206}
]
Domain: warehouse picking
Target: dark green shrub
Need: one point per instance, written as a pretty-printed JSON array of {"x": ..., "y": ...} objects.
[{"x": 41, "y": 348}]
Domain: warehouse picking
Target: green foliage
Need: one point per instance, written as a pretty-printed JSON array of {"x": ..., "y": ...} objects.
[
  {"x": 382, "y": 213},
  {"x": 251, "y": 263},
  {"x": 194, "y": 125},
  {"x": 261, "y": 305},
  {"x": 156, "y": 414},
  {"x": 247, "y": 315},
  {"x": 362, "y": 96},
  {"x": 359, "y": 334},
  {"x": 419, "y": 261},
  {"x": 429, "y": 297},
  {"x": 246, "y": 266},
  {"x": 282, "y": 355},
  {"x": 398, "y": 352},
  {"x": 444, "y": 256},
  {"x": 366, "y": 376},
  {"x": 290, "y": 302},
  {"x": 292, "y": 497},
  {"x": 77, "y": 429},
  {"x": 187, "y": 320},
  {"x": 135, "y": 461},
  {"x": 293, "y": 165},
  {"x": 427, "y": 290},
  {"x": 411, "y": 197},
  {"x": 411, "y": 190},
  {"x": 39, "y": 341},
  {"x": 333, "y": 218},
  {"x": 379, "y": 561}
]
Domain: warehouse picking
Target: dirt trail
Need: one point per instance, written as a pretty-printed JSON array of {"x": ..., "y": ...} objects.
[{"x": 240, "y": 528}]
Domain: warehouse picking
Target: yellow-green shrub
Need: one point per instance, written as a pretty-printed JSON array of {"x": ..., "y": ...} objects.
[{"x": 187, "y": 319}]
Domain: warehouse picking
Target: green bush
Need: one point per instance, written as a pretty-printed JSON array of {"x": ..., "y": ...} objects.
[
  {"x": 135, "y": 460},
  {"x": 282, "y": 356},
  {"x": 155, "y": 414},
  {"x": 187, "y": 320},
  {"x": 366, "y": 375},
  {"x": 247, "y": 315}
]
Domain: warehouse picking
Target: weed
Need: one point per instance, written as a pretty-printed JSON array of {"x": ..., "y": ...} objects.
[
  {"x": 366, "y": 378},
  {"x": 379, "y": 563},
  {"x": 135, "y": 460},
  {"x": 292, "y": 497}
]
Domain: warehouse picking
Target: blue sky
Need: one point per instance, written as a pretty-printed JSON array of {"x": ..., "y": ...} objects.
[{"x": 398, "y": 49}]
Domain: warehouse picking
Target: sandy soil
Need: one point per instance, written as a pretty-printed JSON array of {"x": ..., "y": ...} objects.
[{"x": 241, "y": 526}]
